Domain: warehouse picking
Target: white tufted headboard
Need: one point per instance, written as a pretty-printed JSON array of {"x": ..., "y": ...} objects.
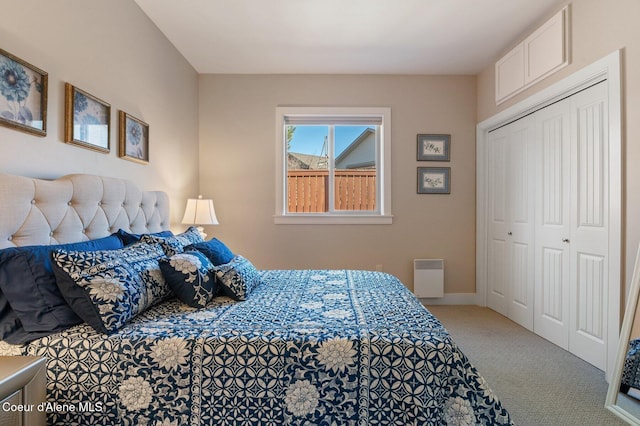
[{"x": 76, "y": 208}]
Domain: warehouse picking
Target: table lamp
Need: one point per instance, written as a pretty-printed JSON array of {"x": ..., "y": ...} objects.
[{"x": 200, "y": 212}]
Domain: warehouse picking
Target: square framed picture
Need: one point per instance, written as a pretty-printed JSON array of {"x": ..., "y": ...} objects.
[
  {"x": 434, "y": 180},
  {"x": 23, "y": 95},
  {"x": 134, "y": 139},
  {"x": 87, "y": 120},
  {"x": 433, "y": 147}
]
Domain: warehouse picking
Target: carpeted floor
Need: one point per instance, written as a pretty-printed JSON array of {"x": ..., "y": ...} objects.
[{"x": 539, "y": 383}]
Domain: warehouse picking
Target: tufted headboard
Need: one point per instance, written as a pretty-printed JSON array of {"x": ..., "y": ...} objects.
[{"x": 75, "y": 208}]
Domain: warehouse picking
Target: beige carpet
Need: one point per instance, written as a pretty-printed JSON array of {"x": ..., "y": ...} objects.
[{"x": 538, "y": 382}]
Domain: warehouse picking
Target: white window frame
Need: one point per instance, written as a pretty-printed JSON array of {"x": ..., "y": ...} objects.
[{"x": 382, "y": 215}]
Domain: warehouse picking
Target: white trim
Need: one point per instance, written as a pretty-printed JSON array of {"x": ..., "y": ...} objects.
[
  {"x": 450, "y": 299},
  {"x": 334, "y": 219},
  {"x": 606, "y": 68},
  {"x": 383, "y": 157}
]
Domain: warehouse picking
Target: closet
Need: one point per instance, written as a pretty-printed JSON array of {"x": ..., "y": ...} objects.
[{"x": 547, "y": 222}]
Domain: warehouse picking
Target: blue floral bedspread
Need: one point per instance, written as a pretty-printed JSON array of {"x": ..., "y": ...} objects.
[{"x": 308, "y": 347}]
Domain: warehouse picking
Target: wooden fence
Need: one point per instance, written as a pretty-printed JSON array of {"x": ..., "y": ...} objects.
[{"x": 308, "y": 190}]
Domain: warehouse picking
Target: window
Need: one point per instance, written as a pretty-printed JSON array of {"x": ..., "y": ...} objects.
[{"x": 333, "y": 165}]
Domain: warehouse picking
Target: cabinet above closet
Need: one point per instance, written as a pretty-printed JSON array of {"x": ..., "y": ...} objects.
[{"x": 542, "y": 53}]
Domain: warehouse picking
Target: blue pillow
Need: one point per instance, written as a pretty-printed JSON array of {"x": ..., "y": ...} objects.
[
  {"x": 129, "y": 238},
  {"x": 110, "y": 287},
  {"x": 215, "y": 250},
  {"x": 28, "y": 284},
  {"x": 190, "y": 276},
  {"x": 238, "y": 278}
]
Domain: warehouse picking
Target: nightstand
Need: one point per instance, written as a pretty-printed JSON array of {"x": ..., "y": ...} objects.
[{"x": 23, "y": 383}]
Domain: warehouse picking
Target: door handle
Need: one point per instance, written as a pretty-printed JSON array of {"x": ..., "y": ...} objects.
[
  {"x": 509, "y": 233},
  {"x": 565, "y": 240}
]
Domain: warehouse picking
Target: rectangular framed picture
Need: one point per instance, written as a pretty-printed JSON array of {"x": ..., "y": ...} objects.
[
  {"x": 433, "y": 147},
  {"x": 134, "y": 139},
  {"x": 23, "y": 95},
  {"x": 87, "y": 120},
  {"x": 434, "y": 180}
]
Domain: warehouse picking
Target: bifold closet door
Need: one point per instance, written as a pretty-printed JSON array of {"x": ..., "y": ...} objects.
[
  {"x": 589, "y": 283},
  {"x": 498, "y": 216},
  {"x": 571, "y": 231},
  {"x": 553, "y": 223},
  {"x": 511, "y": 202}
]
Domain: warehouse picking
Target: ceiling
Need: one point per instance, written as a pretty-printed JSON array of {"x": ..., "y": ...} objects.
[{"x": 345, "y": 36}]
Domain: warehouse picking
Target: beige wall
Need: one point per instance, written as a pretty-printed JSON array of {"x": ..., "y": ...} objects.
[
  {"x": 237, "y": 155},
  {"x": 597, "y": 29},
  {"x": 113, "y": 51}
]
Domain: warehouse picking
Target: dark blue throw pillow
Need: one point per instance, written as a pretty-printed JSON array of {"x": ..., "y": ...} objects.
[
  {"x": 28, "y": 285},
  {"x": 215, "y": 250},
  {"x": 191, "y": 277}
]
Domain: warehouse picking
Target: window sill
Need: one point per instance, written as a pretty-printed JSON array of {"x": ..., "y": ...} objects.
[{"x": 319, "y": 219}]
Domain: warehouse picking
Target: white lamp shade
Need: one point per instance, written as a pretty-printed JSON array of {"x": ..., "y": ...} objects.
[{"x": 199, "y": 212}]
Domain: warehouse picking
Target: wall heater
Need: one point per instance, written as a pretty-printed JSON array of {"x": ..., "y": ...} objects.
[{"x": 428, "y": 277}]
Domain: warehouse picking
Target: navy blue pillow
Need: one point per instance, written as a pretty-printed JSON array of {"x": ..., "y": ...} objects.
[
  {"x": 129, "y": 238},
  {"x": 190, "y": 276},
  {"x": 215, "y": 250},
  {"x": 28, "y": 284}
]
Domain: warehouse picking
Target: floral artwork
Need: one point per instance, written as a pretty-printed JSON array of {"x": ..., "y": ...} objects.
[
  {"x": 23, "y": 95},
  {"x": 90, "y": 121},
  {"x": 431, "y": 181},
  {"x": 135, "y": 135},
  {"x": 87, "y": 120},
  {"x": 433, "y": 147},
  {"x": 134, "y": 138},
  {"x": 434, "y": 180}
]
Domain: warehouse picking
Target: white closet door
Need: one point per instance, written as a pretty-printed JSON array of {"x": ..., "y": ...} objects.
[
  {"x": 553, "y": 229},
  {"x": 520, "y": 235},
  {"x": 511, "y": 202},
  {"x": 577, "y": 216},
  {"x": 498, "y": 217},
  {"x": 590, "y": 224}
]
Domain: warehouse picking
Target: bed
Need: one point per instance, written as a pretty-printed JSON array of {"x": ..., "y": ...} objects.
[{"x": 268, "y": 347}]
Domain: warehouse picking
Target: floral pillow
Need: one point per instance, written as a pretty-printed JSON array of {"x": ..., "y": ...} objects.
[
  {"x": 238, "y": 278},
  {"x": 190, "y": 276},
  {"x": 175, "y": 243},
  {"x": 108, "y": 288}
]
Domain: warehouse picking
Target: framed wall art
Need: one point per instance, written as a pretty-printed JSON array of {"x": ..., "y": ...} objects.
[
  {"x": 134, "y": 139},
  {"x": 87, "y": 120},
  {"x": 23, "y": 95},
  {"x": 433, "y": 147},
  {"x": 434, "y": 180}
]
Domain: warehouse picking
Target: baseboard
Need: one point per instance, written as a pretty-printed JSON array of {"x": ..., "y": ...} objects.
[{"x": 451, "y": 299}]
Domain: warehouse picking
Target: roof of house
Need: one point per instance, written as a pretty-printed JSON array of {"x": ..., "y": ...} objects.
[
  {"x": 353, "y": 145},
  {"x": 300, "y": 161}
]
